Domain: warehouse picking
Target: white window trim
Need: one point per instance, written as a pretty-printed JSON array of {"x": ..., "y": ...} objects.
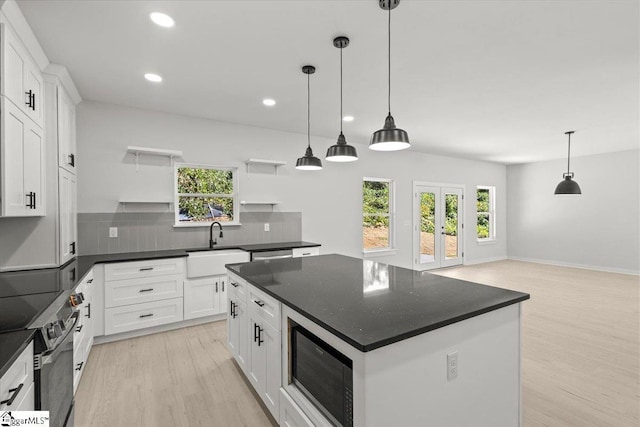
[
  {"x": 236, "y": 192},
  {"x": 492, "y": 215},
  {"x": 391, "y": 249}
]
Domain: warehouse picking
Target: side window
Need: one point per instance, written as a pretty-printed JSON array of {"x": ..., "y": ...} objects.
[
  {"x": 377, "y": 214},
  {"x": 486, "y": 211},
  {"x": 204, "y": 194}
]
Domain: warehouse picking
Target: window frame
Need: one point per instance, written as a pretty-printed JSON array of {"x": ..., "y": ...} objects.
[
  {"x": 234, "y": 196},
  {"x": 492, "y": 214},
  {"x": 391, "y": 215}
]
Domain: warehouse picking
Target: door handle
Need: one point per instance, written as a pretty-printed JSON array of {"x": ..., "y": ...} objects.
[
  {"x": 260, "y": 303},
  {"x": 256, "y": 328},
  {"x": 72, "y": 160},
  {"x": 146, "y": 315},
  {"x": 88, "y": 315},
  {"x": 146, "y": 269},
  {"x": 223, "y": 286},
  {"x": 31, "y": 99},
  {"x": 79, "y": 328},
  {"x": 73, "y": 248},
  {"x": 15, "y": 392},
  {"x": 32, "y": 203},
  {"x": 79, "y": 368},
  {"x": 145, "y": 290},
  {"x": 216, "y": 287},
  {"x": 260, "y": 340}
]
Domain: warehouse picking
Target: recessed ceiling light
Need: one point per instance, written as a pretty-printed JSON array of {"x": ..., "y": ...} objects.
[
  {"x": 153, "y": 77},
  {"x": 269, "y": 102},
  {"x": 348, "y": 118},
  {"x": 162, "y": 19}
]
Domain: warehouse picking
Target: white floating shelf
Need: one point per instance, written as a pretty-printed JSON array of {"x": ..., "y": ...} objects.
[
  {"x": 136, "y": 151},
  {"x": 125, "y": 202},
  {"x": 275, "y": 163},
  {"x": 252, "y": 202},
  {"x": 154, "y": 151}
]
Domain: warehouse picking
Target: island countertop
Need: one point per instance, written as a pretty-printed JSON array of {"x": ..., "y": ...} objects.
[{"x": 370, "y": 304}]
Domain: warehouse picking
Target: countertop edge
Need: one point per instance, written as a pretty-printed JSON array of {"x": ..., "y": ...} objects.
[{"x": 382, "y": 343}]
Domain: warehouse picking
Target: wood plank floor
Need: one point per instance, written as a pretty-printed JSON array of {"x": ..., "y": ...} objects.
[
  {"x": 580, "y": 362},
  {"x": 580, "y": 342}
]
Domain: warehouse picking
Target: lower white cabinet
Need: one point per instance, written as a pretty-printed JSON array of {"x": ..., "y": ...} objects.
[
  {"x": 138, "y": 316},
  {"x": 83, "y": 335},
  {"x": 303, "y": 252},
  {"x": 237, "y": 330},
  {"x": 16, "y": 385},
  {"x": 255, "y": 340},
  {"x": 290, "y": 413},
  {"x": 205, "y": 296}
]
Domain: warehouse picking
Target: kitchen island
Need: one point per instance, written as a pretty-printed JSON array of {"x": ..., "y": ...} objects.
[{"x": 423, "y": 349}]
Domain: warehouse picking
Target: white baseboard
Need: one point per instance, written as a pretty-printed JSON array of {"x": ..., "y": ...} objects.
[
  {"x": 580, "y": 266},
  {"x": 156, "y": 329},
  {"x": 483, "y": 260}
]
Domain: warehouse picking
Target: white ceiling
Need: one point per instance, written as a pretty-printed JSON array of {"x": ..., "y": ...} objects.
[{"x": 488, "y": 80}]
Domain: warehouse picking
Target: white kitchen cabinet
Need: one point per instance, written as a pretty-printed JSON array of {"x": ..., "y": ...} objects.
[
  {"x": 83, "y": 335},
  {"x": 21, "y": 81},
  {"x": 238, "y": 330},
  {"x": 16, "y": 385},
  {"x": 290, "y": 413},
  {"x": 141, "y": 269},
  {"x": 67, "y": 211},
  {"x": 22, "y": 163},
  {"x": 141, "y": 290},
  {"x": 205, "y": 296},
  {"x": 66, "y": 109},
  {"x": 264, "y": 360},
  {"x": 303, "y": 252},
  {"x": 138, "y": 316}
]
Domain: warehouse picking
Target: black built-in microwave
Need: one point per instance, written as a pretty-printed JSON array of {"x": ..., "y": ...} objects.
[{"x": 323, "y": 375}]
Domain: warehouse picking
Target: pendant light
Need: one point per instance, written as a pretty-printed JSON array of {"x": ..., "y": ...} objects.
[
  {"x": 389, "y": 138},
  {"x": 568, "y": 185},
  {"x": 341, "y": 151},
  {"x": 309, "y": 162}
]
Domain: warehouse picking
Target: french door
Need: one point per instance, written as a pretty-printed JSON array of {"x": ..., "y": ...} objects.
[{"x": 437, "y": 226}]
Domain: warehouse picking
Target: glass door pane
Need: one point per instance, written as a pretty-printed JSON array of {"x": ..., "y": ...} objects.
[
  {"x": 450, "y": 232},
  {"x": 427, "y": 227}
]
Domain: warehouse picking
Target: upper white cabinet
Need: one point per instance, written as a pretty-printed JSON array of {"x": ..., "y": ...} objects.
[
  {"x": 22, "y": 163},
  {"x": 67, "y": 214},
  {"x": 66, "y": 131},
  {"x": 21, "y": 80}
]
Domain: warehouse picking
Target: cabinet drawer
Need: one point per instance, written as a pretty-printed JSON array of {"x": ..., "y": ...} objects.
[
  {"x": 134, "y": 291},
  {"x": 28, "y": 402},
  {"x": 237, "y": 287},
  {"x": 20, "y": 373},
  {"x": 139, "y": 316},
  {"x": 302, "y": 252},
  {"x": 290, "y": 414},
  {"x": 265, "y": 306},
  {"x": 140, "y": 269}
]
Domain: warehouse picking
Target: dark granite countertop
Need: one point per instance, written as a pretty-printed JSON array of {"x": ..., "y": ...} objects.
[
  {"x": 11, "y": 345},
  {"x": 370, "y": 304},
  {"x": 29, "y": 292}
]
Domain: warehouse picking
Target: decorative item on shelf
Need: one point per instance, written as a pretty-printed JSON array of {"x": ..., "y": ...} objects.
[
  {"x": 389, "y": 138},
  {"x": 341, "y": 151},
  {"x": 568, "y": 185},
  {"x": 308, "y": 162},
  {"x": 136, "y": 151}
]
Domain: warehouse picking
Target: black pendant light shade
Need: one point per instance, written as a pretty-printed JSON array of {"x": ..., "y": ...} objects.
[
  {"x": 568, "y": 185},
  {"x": 341, "y": 151},
  {"x": 389, "y": 138},
  {"x": 308, "y": 162}
]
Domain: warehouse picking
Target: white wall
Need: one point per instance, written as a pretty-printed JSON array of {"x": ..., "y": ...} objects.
[
  {"x": 330, "y": 200},
  {"x": 598, "y": 229}
]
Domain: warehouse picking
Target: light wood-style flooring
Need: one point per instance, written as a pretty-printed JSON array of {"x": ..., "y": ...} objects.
[
  {"x": 580, "y": 363},
  {"x": 580, "y": 342}
]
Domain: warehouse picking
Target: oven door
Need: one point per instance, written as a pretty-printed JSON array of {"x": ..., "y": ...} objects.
[{"x": 54, "y": 381}]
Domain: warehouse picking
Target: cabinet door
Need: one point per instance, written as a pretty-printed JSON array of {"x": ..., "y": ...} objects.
[
  {"x": 34, "y": 88},
  {"x": 222, "y": 294},
  {"x": 14, "y": 124},
  {"x": 237, "y": 332},
  {"x": 201, "y": 297},
  {"x": 13, "y": 68},
  {"x": 257, "y": 367},
  {"x": 67, "y": 214},
  {"x": 22, "y": 166},
  {"x": 273, "y": 377},
  {"x": 66, "y": 131}
]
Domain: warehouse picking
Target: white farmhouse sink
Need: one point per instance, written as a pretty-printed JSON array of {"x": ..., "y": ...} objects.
[{"x": 211, "y": 263}]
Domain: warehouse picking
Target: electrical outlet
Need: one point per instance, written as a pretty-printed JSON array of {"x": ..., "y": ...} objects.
[
  {"x": 266, "y": 226},
  {"x": 113, "y": 231},
  {"x": 452, "y": 366}
]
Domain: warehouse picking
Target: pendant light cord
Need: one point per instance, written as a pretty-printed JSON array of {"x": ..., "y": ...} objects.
[
  {"x": 389, "y": 57},
  {"x": 308, "y": 111},
  {"x": 569, "y": 156},
  {"x": 341, "y": 90}
]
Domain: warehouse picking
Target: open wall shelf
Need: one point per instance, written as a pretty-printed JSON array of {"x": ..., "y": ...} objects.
[{"x": 262, "y": 162}]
